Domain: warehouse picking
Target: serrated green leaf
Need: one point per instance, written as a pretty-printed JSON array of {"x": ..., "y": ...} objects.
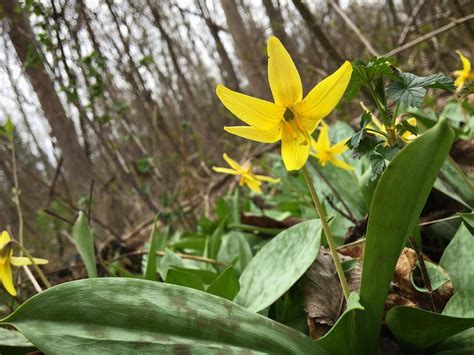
[
  {"x": 123, "y": 316},
  {"x": 393, "y": 214},
  {"x": 278, "y": 265},
  {"x": 84, "y": 241},
  {"x": 458, "y": 259}
]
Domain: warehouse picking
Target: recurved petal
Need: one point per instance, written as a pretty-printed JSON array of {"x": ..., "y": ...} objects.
[
  {"x": 323, "y": 143},
  {"x": 21, "y": 260},
  {"x": 232, "y": 163},
  {"x": 341, "y": 164},
  {"x": 254, "y": 134},
  {"x": 7, "y": 278},
  {"x": 339, "y": 147},
  {"x": 218, "y": 169},
  {"x": 283, "y": 77},
  {"x": 322, "y": 99},
  {"x": 459, "y": 82},
  {"x": 4, "y": 238},
  {"x": 293, "y": 153},
  {"x": 267, "y": 179},
  {"x": 255, "y": 112},
  {"x": 253, "y": 185},
  {"x": 466, "y": 64}
]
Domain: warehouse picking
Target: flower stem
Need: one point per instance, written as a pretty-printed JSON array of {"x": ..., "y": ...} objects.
[
  {"x": 327, "y": 232},
  {"x": 35, "y": 266}
]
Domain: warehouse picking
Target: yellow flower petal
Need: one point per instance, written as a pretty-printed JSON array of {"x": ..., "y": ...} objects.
[
  {"x": 341, "y": 164},
  {"x": 267, "y": 179},
  {"x": 324, "y": 97},
  {"x": 254, "y": 185},
  {"x": 232, "y": 163},
  {"x": 268, "y": 136},
  {"x": 283, "y": 76},
  {"x": 258, "y": 113},
  {"x": 7, "y": 278},
  {"x": 225, "y": 170},
  {"x": 293, "y": 152},
  {"x": 21, "y": 260},
  {"x": 466, "y": 64},
  {"x": 323, "y": 142},
  {"x": 339, "y": 147},
  {"x": 459, "y": 82},
  {"x": 4, "y": 239}
]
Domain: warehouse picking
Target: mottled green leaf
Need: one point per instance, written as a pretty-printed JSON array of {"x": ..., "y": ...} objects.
[
  {"x": 126, "y": 316},
  {"x": 437, "y": 275},
  {"x": 13, "y": 342},
  {"x": 278, "y": 265}
]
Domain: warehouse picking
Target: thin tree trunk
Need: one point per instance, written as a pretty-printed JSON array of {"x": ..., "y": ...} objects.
[
  {"x": 244, "y": 50},
  {"x": 76, "y": 166}
]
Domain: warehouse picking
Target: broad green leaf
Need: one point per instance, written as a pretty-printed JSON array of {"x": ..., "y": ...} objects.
[
  {"x": 460, "y": 305},
  {"x": 206, "y": 276},
  {"x": 278, "y": 265},
  {"x": 123, "y": 316},
  {"x": 418, "y": 330},
  {"x": 341, "y": 339},
  {"x": 13, "y": 342},
  {"x": 458, "y": 259},
  {"x": 226, "y": 285},
  {"x": 184, "y": 278},
  {"x": 169, "y": 260},
  {"x": 235, "y": 248},
  {"x": 150, "y": 270},
  {"x": 437, "y": 275},
  {"x": 84, "y": 241},
  {"x": 396, "y": 206}
]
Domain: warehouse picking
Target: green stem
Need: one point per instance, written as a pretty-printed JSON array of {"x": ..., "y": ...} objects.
[
  {"x": 16, "y": 191},
  {"x": 327, "y": 232}
]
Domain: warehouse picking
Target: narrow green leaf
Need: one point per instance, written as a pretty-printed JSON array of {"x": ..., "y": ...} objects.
[
  {"x": 417, "y": 329},
  {"x": 458, "y": 259},
  {"x": 226, "y": 285},
  {"x": 278, "y": 265},
  {"x": 184, "y": 278},
  {"x": 124, "y": 316},
  {"x": 396, "y": 206},
  {"x": 150, "y": 270},
  {"x": 84, "y": 240},
  {"x": 455, "y": 184},
  {"x": 341, "y": 339}
]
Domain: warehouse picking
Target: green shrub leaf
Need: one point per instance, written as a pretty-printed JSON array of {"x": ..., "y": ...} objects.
[{"x": 84, "y": 240}]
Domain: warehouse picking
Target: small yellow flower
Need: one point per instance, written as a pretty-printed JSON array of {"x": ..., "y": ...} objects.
[
  {"x": 407, "y": 136},
  {"x": 463, "y": 74},
  {"x": 291, "y": 118},
  {"x": 246, "y": 176},
  {"x": 6, "y": 260},
  {"x": 326, "y": 153}
]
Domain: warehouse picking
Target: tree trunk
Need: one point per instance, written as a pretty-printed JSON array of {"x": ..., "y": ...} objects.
[
  {"x": 76, "y": 166},
  {"x": 247, "y": 56}
]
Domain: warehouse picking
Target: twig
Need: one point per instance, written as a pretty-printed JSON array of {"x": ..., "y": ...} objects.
[
  {"x": 454, "y": 23},
  {"x": 439, "y": 220},
  {"x": 424, "y": 273},
  {"x": 414, "y": 13},
  {"x": 89, "y": 204},
  {"x": 54, "y": 214},
  {"x": 354, "y": 28},
  {"x": 32, "y": 279}
]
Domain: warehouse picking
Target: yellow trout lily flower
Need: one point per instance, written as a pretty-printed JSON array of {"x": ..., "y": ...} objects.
[
  {"x": 407, "y": 136},
  {"x": 7, "y": 260},
  {"x": 325, "y": 153},
  {"x": 246, "y": 176},
  {"x": 463, "y": 74},
  {"x": 291, "y": 118}
]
